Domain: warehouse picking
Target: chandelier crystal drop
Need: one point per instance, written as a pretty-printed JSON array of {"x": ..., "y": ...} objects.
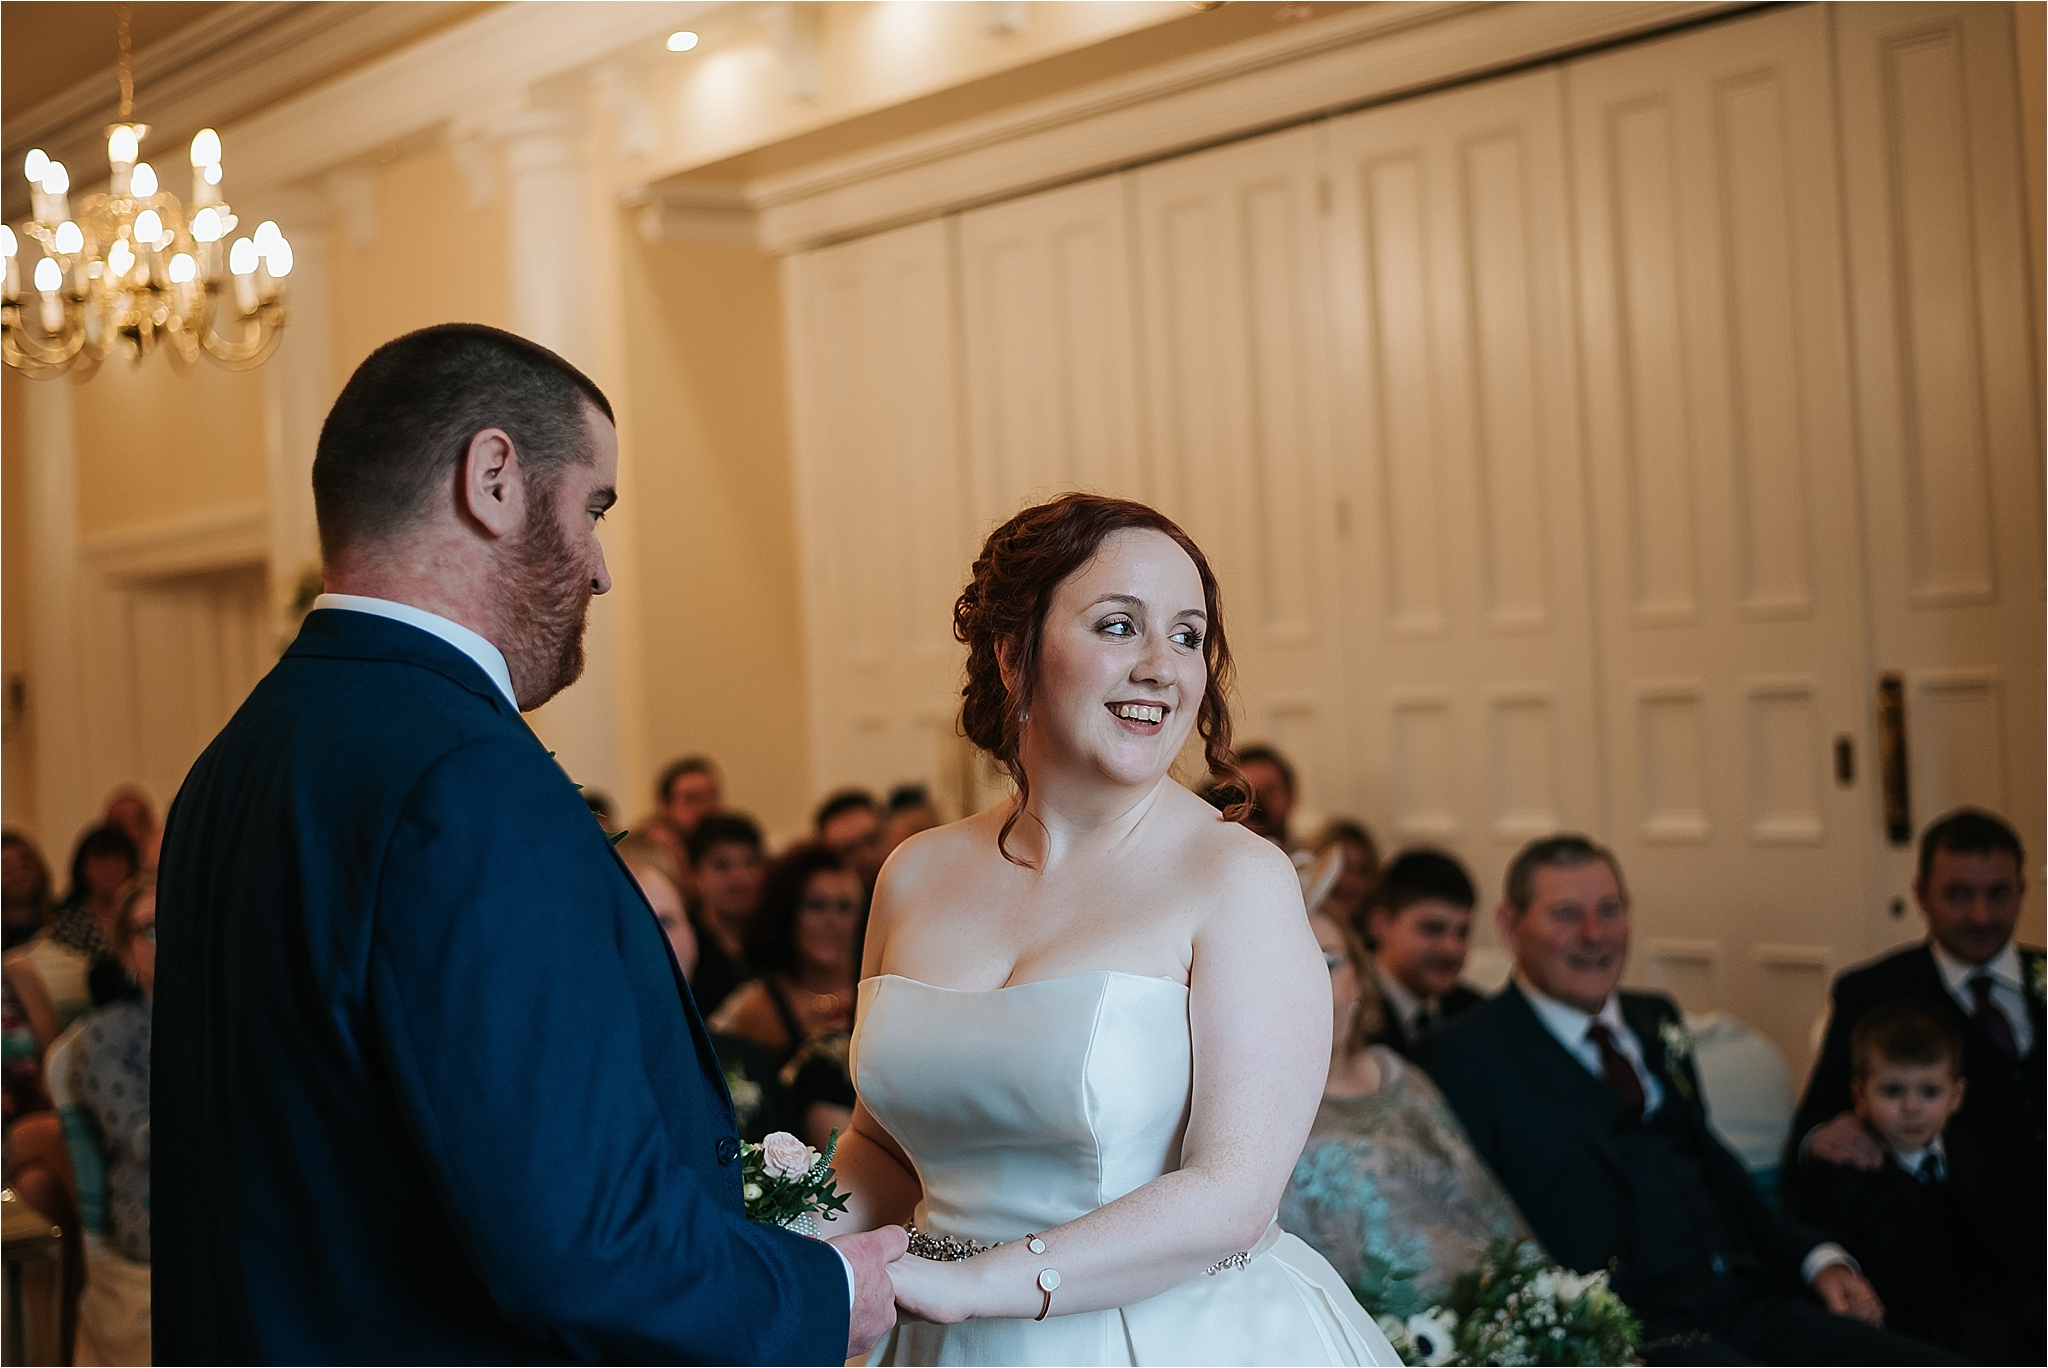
[{"x": 133, "y": 269}]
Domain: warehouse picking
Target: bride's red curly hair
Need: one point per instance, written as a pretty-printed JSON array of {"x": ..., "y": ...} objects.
[{"x": 1001, "y": 615}]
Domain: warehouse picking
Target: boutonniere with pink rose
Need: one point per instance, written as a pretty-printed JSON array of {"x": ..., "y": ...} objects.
[{"x": 787, "y": 1183}]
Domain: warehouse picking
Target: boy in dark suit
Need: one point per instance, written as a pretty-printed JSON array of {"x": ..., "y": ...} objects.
[
  {"x": 1918, "y": 1224},
  {"x": 1420, "y": 928},
  {"x": 1583, "y": 1099},
  {"x": 1972, "y": 973}
]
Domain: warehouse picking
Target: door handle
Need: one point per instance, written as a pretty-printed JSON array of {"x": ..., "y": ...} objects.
[{"x": 1891, "y": 758}]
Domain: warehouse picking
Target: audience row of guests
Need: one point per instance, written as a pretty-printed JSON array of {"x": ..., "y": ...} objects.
[
  {"x": 79, "y": 976},
  {"x": 1569, "y": 1111}
]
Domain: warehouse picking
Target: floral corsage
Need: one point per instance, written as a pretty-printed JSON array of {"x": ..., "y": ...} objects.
[{"x": 787, "y": 1183}]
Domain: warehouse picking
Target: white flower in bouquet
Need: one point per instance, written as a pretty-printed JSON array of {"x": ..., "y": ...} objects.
[
  {"x": 1434, "y": 1333},
  {"x": 785, "y": 1156}
]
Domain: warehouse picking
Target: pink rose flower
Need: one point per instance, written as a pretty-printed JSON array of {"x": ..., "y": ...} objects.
[{"x": 785, "y": 1156}]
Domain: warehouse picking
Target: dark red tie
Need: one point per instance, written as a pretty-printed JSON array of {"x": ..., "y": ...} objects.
[
  {"x": 1991, "y": 1017},
  {"x": 1615, "y": 1068}
]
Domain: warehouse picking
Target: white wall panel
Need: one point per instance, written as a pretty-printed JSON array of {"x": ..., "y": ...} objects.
[
  {"x": 1946, "y": 407},
  {"x": 1231, "y": 300},
  {"x": 1462, "y": 577},
  {"x": 1720, "y": 428},
  {"x": 882, "y": 502}
]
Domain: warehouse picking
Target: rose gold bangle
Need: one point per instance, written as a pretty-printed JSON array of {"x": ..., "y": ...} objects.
[{"x": 1048, "y": 1278}]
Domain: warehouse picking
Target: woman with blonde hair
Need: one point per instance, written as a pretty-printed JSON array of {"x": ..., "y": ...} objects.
[{"x": 1388, "y": 1188}]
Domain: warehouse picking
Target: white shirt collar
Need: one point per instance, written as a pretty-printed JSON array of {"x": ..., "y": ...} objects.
[
  {"x": 2003, "y": 967},
  {"x": 489, "y": 658},
  {"x": 1910, "y": 1160},
  {"x": 1404, "y": 1003},
  {"x": 1566, "y": 1022}
]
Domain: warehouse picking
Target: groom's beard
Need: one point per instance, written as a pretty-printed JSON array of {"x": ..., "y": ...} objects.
[{"x": 544, "y": 608}]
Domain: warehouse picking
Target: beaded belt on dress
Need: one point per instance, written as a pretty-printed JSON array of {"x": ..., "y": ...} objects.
[{"x": 951, "y": 1249}]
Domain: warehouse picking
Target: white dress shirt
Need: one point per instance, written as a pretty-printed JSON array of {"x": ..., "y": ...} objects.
[
  {"x": 2008, "y": 988},
  {"x": 1570, "y": 1027},
  {"x": 488, "y": 657},
  {"x": 1912, "y": 1161},
  {"x": 492, "y": 661}
]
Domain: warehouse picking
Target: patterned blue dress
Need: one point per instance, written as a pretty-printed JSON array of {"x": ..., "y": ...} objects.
[
  {"x": 1389, "y": 1190},
  {"x": 111, "y": 1066}
]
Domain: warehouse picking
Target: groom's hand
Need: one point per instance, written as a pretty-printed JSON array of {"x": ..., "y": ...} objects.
[{"x": 874, "y": 1295}]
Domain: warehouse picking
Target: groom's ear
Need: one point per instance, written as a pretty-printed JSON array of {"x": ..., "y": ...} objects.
[{"x": 493, "y": 489}]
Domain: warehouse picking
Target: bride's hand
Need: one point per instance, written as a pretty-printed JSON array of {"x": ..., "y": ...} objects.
[{"x": 931, "y": 1290}]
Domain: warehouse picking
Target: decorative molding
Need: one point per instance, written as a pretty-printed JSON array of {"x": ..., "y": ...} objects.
[
  {"x": 625, "y": 96},
  {"x": 442, "y": 78},
  {"x": 236, "y": 60},
  {"x": 213, "y": 540},
  {"x": 717, "y": 214},
  {"x": 1374, "y": 54}
]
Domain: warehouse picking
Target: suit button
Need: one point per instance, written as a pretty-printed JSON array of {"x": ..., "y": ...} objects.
[{"x": 728, "y": 1149}]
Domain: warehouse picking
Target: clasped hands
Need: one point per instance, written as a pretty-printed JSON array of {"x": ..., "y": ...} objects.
[{"x": 888, "y": 1280}]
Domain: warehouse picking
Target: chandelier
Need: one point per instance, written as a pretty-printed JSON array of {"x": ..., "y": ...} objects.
[{"x": 134, "y": 269}]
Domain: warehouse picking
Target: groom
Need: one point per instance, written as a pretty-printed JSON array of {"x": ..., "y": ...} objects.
[{"x": 428, "y": 1084}]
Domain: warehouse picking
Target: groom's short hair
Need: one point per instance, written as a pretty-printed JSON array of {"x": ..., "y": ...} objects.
[{"x": 404, "y": 419}]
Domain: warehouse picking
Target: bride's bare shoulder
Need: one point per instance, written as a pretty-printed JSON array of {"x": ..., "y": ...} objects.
[{"x": 1241, "y": 872}]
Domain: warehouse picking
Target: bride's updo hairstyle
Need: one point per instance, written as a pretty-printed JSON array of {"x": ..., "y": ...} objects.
[{"x": 1001, "y": 615}]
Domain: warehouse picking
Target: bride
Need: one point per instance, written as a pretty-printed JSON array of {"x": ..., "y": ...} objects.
[{"x": 1094, "y": 1024}]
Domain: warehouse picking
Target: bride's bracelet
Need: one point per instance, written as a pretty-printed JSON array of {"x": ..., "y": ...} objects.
[{"x": 944, "y": 1248}]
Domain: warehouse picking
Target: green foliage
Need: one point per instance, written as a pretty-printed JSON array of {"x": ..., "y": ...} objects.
[
  {"x": 1515, "y": 1308},
  {"x": 778, "y": 1201}
]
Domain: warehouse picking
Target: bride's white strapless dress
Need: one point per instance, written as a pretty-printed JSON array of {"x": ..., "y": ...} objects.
[{"x": 1026, "y": 1107}]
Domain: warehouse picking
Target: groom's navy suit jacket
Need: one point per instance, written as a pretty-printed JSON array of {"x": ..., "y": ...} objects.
[{"x": 428, "y": 1084}]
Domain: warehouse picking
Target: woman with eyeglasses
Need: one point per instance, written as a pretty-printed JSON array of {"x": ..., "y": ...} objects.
[
  {"x": 801, "y": 1007},
  {"x": 1388, "y": 1188}
]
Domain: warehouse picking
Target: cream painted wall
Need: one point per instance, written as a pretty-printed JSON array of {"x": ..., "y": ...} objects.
[
  {"x": 17, "y": 758},
  {"x": 429, "y": 256},
  {"x": 714, "y": 509},
  {"x": 2030, "y": 28},
  {"x": 155, "y": 444}
]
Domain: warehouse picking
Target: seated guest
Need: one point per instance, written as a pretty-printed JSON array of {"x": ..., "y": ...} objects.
[
  {"x": 649, "y": 864},
  {"x": 1970, "y": 884},
  {"x": 910, "y": 810},
  {"x": 1420, "y": 926},
  {"x": 110, "y": 1081},
  {"x": 71, "y": 954},
  {"x": 24, "y": 888},
  {"x": 1582, "y": 1100},
  {"x": 1388, "y": 1188},
  {"x": 1351, "y": 897},
  {"x": 688, "y": 790},
  {"x": 725, "y": 852},
  {"x": 1272, "y": 781},
  {"x": 37, "y": 1170},
  {"x": 850, "y": 823},
  {"x": 1920, "y": 1224},
  {"x": 801, "y": 1007},
  {"x": 129, "y": 808}
]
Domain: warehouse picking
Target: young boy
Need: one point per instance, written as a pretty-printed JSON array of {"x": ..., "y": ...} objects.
[{"x": 1918, "y": 1225}]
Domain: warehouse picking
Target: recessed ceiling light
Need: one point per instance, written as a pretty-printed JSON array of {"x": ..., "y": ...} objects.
[{"x": 681, "y": 41}]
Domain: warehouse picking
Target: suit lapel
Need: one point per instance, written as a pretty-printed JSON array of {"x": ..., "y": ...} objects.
[{"x": 1562, "y": 1077}]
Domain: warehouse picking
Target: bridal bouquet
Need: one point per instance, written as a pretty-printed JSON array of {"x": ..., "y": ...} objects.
[
  {"x": 787, "y": 1183},
  {"x": 1517, "y": 1308}
]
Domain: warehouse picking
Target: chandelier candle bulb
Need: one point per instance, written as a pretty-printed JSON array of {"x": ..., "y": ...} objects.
[
  {"x": 56, "y": 194},
  {"x": 149, "y": 229},
  {"x": 68, "y": 240},
  {"x": 142, "y": 181},
  {"x": 49, "y": 279},
  {"x": 34, "y": 167},
  {"x": 242, "y": 259}
]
